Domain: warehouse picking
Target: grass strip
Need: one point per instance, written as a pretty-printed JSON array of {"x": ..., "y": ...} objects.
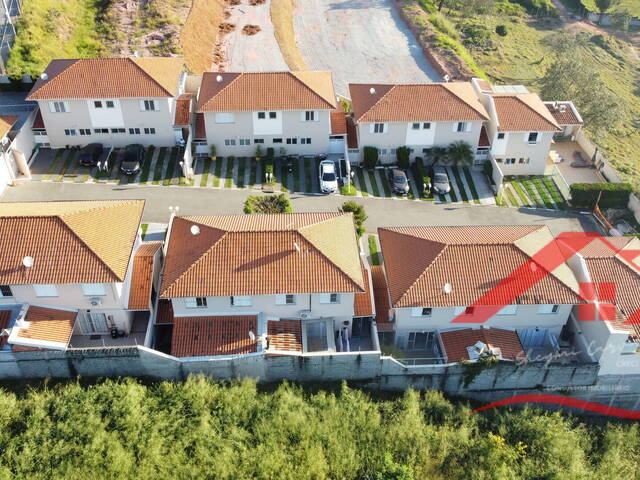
[
  {"x": 537, "y": 183},
  {"x": 296, "y": 175},
  {"x": 284, "y": 177},
  {"x": 54, "y": 165},
  {"x": 374, "y": 184},
  {"x": 144, "y": 227},
  {"x": 253, "y": 172},
  {"x": 241, "y": 167},
  {"x": 461, "y": 189},
  {"x": 531, "y": 191},
  {"x": 308, "y": 176},
  {"x": 86, "y": 172},
  {"x": 205, "y": 172},
  {"x": 100, "y": 174},
  {"x": 443, "y": 199},
  {"x": 146, "y": 166},
  {"x": 65, "y": 166},
  {"x": 373, "y": 249},
  {"x": 363, "y": 186},
  {"x": 348, "y": 190},
  {"x": 512, "y": 198},
  {"x": 554, "y": 191},
  {"x": 472, "y": 186},
  {"x": 171, "y": 167},
  {"x": 157, "y": 171},
  {"x": 523, "y": 197},
  {"x": 217, "y": 172},
  {"x": 228, "y": 175},
  {"x": 385, "y": 183}
]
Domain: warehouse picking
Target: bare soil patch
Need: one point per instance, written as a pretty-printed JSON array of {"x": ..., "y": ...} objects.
[
  {"x": 200, "y": 33},
  {"x": 253, "y": 3},
  {"x": 226, "y": 28},
  {"x": 250, "y": 29},
  {"x": 282, "y": 19},
  {"x": 231, "y": 3}
]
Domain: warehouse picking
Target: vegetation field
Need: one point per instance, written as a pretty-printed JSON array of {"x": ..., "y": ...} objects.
[
  {"x": 530, "y": 46},
  {"x": 632, "y": 6},
  {"x": 200, "y": 429}
]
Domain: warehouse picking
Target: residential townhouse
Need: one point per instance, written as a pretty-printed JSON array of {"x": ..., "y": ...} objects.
[
  {"x": 521, "y": 128},
  {"x": 249, "y": 284},
  {"x": 608, "y": 325},
  {"x": 76, "y": 271},
  {"x": 287, "y": 111},
  {"x": 16, "y": 147},
  {"x": 113, "y": 101},
  {"x": 444, "y": 283},
  {"x": 419, "y": 116}
]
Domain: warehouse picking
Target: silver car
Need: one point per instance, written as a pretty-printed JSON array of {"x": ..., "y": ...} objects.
[
  {"x": 399, "y": 182},
  {"x": 440, "y": 181}
]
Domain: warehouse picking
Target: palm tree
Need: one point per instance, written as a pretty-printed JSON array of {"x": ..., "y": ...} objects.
[
  {"x": 437, "y": 154},
  {"x": 460, "y": 153}
]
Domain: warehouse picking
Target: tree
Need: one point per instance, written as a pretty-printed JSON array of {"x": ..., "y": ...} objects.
[
  {"x": 370, "y": 157},
  {"x": 460, "y": 153},
  {"x": 212, "y": 151},
  {"x": 437, "y": 154},
  {"x": 402, "y": 154},
  {"x": 279, "y": 203},
  {"x": 604, "y": 5},
  {"x": 359, "y": 215},
  {"x": 566, "y": 78}
]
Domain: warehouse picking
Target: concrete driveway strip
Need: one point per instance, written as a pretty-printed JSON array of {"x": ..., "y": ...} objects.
[
  {"x": 361, "y": 41},
  {"x": 209, "y": 201},
  {"x": 252, "y": 53}
]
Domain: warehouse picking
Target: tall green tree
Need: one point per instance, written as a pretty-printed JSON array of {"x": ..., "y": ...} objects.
[
  {"x": 279, "y": 203},
  {"x": 604, "y": 6},
  {"x": 460, "y": 153},
  {"x": 359, "y": 215}
]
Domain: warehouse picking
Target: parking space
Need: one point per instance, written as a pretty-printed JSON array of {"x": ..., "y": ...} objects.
[{"x": 532, "y": 191}]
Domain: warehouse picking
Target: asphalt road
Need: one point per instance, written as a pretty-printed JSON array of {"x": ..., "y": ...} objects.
[{"x": 382, "y": 212}]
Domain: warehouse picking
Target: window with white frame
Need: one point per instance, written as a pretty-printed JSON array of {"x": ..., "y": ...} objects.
[
  {"x": 329, "y": 298},
  {"x": 426, "y": 125},
  {"x": 58, "y": 107},
  {"x": 93, "y": 289},
  {"x": 501, "y": 136},
  {"x": 70, "y": 132},
  {"x": 310, "y": 116},
  {"x": 110, "y": 104},
  {"x": 277, "y": 140},
  {"x": 273, "y": 115},
  {"x": 421, "y": 312},
  {"x": 45, "y": 290},
  {"x": 533, "y": 137},
  {"x": 262, "y": 115},
  {"x": 240, "y": 301},
  {"x": 117, "y": 130},
  {"x": 148, "y": 105},
  {"x": 100, "y": 130},
  {"x": 420, "y": 340},
  {"x": 462, "y": 127},
  {"x": 508, "y": 310},
  {"x": 258, "y": 140},
  {"x": 415, "y": 126},
  {"x": 292, "y": 141},
  {"x": 5, "y": 291},
  {"x": 524, "y": 160},
  {"x": 245, "y": 141},
  {"x": 378, "y": 128},
  {"x": 150, "y": 131},
  {"x": 97, "y": 104},
  {"x": 229, "y": 142},
  {"x": 509, "y": 161},
  {"x": 547, "y": 309},
  {"x": 287, "y": 299},
  {"x": 84, "y": 131},
  {"x": 305, "y": 141},
  {"x": 134, "y": 131},
  {"x": 195, "y": 302},
  {"x": 225, "y": 117}
]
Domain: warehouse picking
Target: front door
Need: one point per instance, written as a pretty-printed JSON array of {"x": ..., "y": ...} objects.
[{"x": 94, "y": 322}]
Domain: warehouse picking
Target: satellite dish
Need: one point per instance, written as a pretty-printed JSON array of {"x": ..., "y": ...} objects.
[
  {"x": 44, "y": 76},
  {"x": 219, "y": 78},
  {"x": 446, "y": 78},
  {"x": 447, "y": 288},
  {"x": 372, "y": 91},
  {"x": 195, "y": 230},
  {"x": 27, "y": 262}
]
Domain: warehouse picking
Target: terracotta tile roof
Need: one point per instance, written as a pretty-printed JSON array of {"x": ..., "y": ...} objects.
[
  {"x": 523, "y": 112},
  {"x": 71, "y": 242},
  {"x": 434, "y": 102},
  {"x": 152, "y": 77},
  {"x": 208, "y": 336},
  {"x": 5, "y": 316},
  {"x": 455, "y": 342},
  {"x": 606, "y": 248},
  {"x": 38, "y": 122},
  {"x": 419, "y": 261},
  {"x": 563, "y": 113},
  {"x": 142, "y": 276},
  {"x": 362, "y": 303},
  {"x": 236, "y": 92},
  {"x": 165, "y": 311},
  {"x": 352, "y": 133},
  {"x": 285, "y": 335},
  {"x": 6, "y": 123},
  {"x": 183, "y": 110},
  {"x": 381, "y": 298},
  {"x": 201, "y": 130},
  {"x": 338, "y": 122},
  {"x": 484, "y": 138},
  {"x": 257, "y": 255},
  {"x": 46, "y": 325}
]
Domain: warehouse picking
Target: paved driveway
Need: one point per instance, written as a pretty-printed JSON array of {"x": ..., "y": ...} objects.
[
  {"x": 198, "y": 201},
  {"x": 361, "y": 41}
]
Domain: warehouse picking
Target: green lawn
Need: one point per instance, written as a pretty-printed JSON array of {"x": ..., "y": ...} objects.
[
  {"x": 228, "y": 174},
  {"x": 531, "y": 191},
  {"x": 461, "y": 189},
  {"x": 348, "y": 190},
  {"x": 146, "y": 166},
  {"x": 171, "y": 167},
  {"x": 524, "y": 200},
  {"x": 512, "y": 198},
  {"x": 253, "y": 172},
  {"x": 65, "y": 165},
  {"x": 53, "y": 167},
  {"x": 542, "y": 192},
  {"x": 363, "y": 186},
  {"x": 157, "y": 171},
  {"x": 374, "y": 184},
  {"x": 296, "y": 175},
  {"x": 373, "y": 249},
  {"x": 205, "y": 172},
  {"x": 553, "y": 190},
  {"x": 308, "y": 174},
  {"x": 632, "y": 6},
  {"x": 384, "y": 179},
  {"x": 241, "y": 166},
  {"x": 217, "y": 172},
  {"x": 472, "y": 186},
  {"x": 144, "y": 227}
]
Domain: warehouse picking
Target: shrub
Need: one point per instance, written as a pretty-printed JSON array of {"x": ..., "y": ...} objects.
[
  {"x": 614, "y": 195},
  {"x": 460, "y": 153},
  {"x": 476, "y": 35},
  {"x": 279, "y": 203},
  {"x": 487, "y": 168},
  {"x": 258, "y": 152},
  {"x": 359, "y": 215},
  {"x": 539, "y": 7},
  {"x": 370, "y": 157},
  {"x": 212, "y": 151},
  {"x": 443, "y": 25},
  {"x": 512, "y": 9},
  {"x": 402, "y": 154},
  {"x": 270, "y": 152},
  {"x": 501, "y": 30}
]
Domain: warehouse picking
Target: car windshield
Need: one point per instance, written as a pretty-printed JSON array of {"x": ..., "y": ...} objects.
[
  {"x": 441, "y": 178},
  {"x": 328, "y": 177},
  {"x": 129, "y": 163},
  {"x": 399, "y": 179}
]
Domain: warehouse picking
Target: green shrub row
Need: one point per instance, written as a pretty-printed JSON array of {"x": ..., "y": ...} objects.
[{"x": 615, "y": 195}]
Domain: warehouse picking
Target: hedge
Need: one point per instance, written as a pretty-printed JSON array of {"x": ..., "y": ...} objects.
[
  {"x": 614, "y": 195},
  {"x": 370, "y": 157}
]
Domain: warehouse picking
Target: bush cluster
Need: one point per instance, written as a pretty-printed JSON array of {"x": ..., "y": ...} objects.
[
  {"x": 370, "y": 157},
  {"x": 614, "y": 195}
]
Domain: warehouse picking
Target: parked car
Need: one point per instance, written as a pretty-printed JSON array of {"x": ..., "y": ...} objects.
[
  {"x": 132, "y": 159},
  {"x": 399, "y": 182},
  {"x": 328, "y": 177},
  {"x": 440, "y": 181},
  {"x": 90, "y": 154}
]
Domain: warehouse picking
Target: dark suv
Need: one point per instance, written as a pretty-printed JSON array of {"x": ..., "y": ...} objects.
[
  {"x": 90, "y": 154},
  {"x": 132, "y": 159}
]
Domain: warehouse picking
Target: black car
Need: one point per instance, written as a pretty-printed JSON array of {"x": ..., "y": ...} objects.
[
  {"x": 132, "y": 159},
  {"x": 90, "y": 154}
]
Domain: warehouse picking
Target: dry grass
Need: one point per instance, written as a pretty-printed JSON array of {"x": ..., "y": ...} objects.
[
  {"x": 200, "y": 33},
  {"x": 282, "y": 19}
]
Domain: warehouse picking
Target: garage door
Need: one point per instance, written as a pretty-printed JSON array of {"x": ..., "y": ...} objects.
[{"x": 336, "y": 144}]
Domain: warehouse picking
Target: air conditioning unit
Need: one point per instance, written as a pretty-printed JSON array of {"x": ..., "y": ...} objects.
[
  {"x": 304, "y": 314},
  {"x": 96, "y": 302}
]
